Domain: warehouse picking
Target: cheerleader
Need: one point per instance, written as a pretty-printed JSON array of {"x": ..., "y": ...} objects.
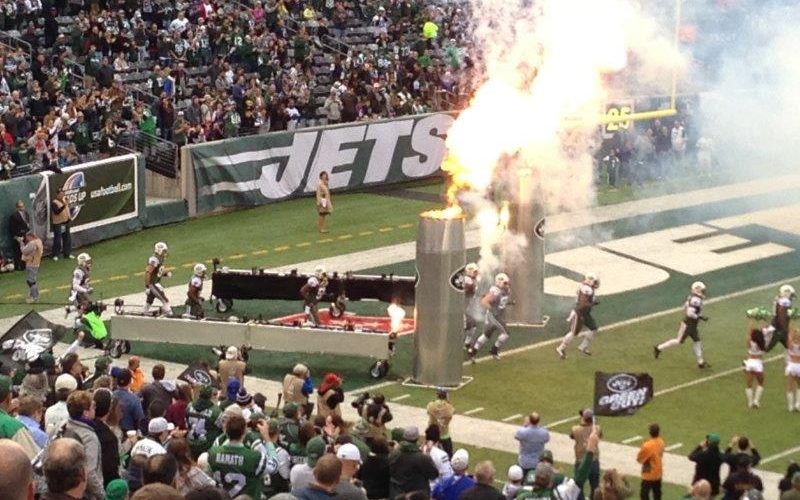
[
  {"x": 793, "y": 370},
  {"x": 754, "y": 366}
]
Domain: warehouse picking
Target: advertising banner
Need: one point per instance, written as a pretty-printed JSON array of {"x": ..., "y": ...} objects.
[
  {"x": 254, "y": 170},
  {"x": 99, "y": 193},
  {"x": 621, "y": 394}
]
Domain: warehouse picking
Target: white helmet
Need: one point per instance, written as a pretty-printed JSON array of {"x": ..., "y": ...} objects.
[
  {"x": 699, "y": 288},
  {"x": 319, "y": 272},
  {"x": 471, "y": 269},
  {"x": 592, "y": 280},
  {"x": 84, "y": 259},
  {"x": 200, "y": 270},
  {"x": 786, "y": 291},
  {"x": 501, "y": 279},
  {"x": 161, "y": 249}
]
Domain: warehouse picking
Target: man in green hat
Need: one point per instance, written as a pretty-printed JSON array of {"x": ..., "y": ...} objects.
[
  {"x": 302, "y": 475},
  {"x": 11, "y": 428},
  {"x": 708, "y": 459},
  {"x": 201, "y": 416},
  {"x": 117, "y": 490}
]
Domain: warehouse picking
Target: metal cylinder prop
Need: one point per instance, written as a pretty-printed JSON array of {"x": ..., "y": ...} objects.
[
  {"x": 525, "y": 266},
  {"x": 439, "y": 302}
]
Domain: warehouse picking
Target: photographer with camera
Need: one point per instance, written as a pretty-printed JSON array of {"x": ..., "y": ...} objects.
[
  {"x": 330, "y": 395},
  {"x": 234, "y": 364},
  {"x": 375, "y": 412},
  {"x": 297, "y": 386}
]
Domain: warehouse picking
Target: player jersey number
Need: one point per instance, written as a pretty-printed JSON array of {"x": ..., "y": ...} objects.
[
  {"x": 616, "y": 113},
  {"x": 233, "y": 483}
]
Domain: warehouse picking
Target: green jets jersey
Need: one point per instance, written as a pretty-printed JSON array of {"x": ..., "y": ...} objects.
[
  {"x": 203, "y": 429},
  {"x": 238, "y": 469}
]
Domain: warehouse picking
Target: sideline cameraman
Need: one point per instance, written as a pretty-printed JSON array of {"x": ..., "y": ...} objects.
[
  {"x": 234, "y": 365},
  {"x": 375, "y": 412}
]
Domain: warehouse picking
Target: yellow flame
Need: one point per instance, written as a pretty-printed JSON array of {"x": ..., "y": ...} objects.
[
  {"x": 451, "y": 212},
  {"x": 396, "y": 316},
  {"x": 505, "y": 216}
]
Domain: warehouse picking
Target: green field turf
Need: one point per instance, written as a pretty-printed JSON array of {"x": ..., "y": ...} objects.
[{"x": 537, "y": 380}]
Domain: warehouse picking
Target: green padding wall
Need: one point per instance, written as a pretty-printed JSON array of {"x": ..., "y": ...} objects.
[{"x": 158, "y": 214}]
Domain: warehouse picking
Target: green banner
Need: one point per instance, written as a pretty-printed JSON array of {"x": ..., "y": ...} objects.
[
  {"x": 255, "y": 170},
  {"x": 99, "y": 193}
]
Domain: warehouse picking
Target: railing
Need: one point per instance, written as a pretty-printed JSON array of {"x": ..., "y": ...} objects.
[
  {"x": 161, "y": 156},
  {"x": 13, "y": 42}
]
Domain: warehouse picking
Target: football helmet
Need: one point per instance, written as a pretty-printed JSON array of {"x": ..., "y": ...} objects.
[
  {"x": 84, "y": 260},
  {"x": 200, "y": 270},
  {"x": 592, "y": 280},
  {"x": 501, "y": 279},
  {"x": 161, "y": 249},
  {"x": 786, "y": 291},
  {"x": 699, "y": 288},
  {"x": 471, "y": 269},
  {"x": 319, "y": 272}
]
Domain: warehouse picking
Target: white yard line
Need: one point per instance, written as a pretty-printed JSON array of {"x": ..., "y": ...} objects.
[
  {"x": 474, "y": 411},
  {"x": 516, "y": 416},
  {"x": 631, "y": 440},
  {"x": 785, "y": 453},
  {"x": 673, "y": 447},
  {"x": 711, "y": 377},
  {"x": 400, "y": 398}
]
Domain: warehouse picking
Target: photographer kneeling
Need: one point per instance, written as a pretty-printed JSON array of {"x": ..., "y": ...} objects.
[{"x": 375, "y": 412}]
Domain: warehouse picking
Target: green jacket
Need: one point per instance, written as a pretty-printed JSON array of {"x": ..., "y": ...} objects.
[{"x": 13, "y": 429}]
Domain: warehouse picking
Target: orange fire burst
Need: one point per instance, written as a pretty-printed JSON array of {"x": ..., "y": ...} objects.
[{"x": 451, "y": 212}]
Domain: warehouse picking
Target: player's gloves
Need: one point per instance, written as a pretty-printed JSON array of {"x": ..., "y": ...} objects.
[{"x": 703, "y": 318}]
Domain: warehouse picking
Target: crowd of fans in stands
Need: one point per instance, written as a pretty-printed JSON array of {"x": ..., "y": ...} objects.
[
  {"x": 194, "y": 71},
  {"x": 114, "y": 434}
]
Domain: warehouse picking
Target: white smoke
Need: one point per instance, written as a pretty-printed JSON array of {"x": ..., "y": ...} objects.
[{"x": 750, "y": 109}]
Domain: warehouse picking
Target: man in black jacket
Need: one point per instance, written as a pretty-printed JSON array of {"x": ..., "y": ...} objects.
[
  {"x": 483, "y": 489},
  {"x": 708, "y": 459},
  {"x": 409, "y": 468},
  {"x": 741, "y": 447},
  {"x": 18, "y": 227}
]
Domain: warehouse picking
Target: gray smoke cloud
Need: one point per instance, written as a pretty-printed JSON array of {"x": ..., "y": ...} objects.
[{"x": 749, "y": 55}]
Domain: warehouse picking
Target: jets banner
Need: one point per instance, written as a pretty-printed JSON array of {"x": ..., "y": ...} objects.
[
  {"x": 28, "y": 338},
  {"x": 99, "y": 193},
  {"x": 197, "y": 374},
  {"x": 620, "y": 394},
  {"x": 255, "y": 170}
]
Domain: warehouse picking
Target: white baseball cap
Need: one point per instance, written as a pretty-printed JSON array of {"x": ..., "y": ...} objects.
[
  {"x": 66, "y": 381},
  {"x": 460, "y": 460},
  {"x": 159, "y": 425},
  {"x": 232, "y": 353},
  {"x": 515, "y": 473},
  {"x": 348, "y": 451}
]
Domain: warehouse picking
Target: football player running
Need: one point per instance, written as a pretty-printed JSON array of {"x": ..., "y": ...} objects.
[
  {"x": 194, "y": 301},
  {"x": 470, "y": 307},
  {"x": 81, "y": 287},
  {"x": 581, "y": 316},
  {"x": 495, "y": 302},
  {"x": 691, "y": 316},
  {"x": 781, "y": 316},
  {"x": 153, "y": 273},
  {"x": 793, "y": 370},
  {"x": 312, "y": 292}
]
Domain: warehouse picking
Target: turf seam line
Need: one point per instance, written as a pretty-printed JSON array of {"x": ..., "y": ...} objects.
[
  {"x": 631, "y": 439},
  {"x": 401, "y": 397},
  {"x": 474, "y": 411},
  {"x": 782, "y": 454},
  {"x": 512, "y": 417}
]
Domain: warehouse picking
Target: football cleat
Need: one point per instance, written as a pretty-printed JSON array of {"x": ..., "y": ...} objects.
[
  {"x": 495, "y": 352},
  {"x": 656, "y": 351},
  {"x": 561, "y": 353}
]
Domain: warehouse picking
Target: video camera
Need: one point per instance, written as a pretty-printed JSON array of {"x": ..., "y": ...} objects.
[
  {"x": 364, "y": 399},
  {"x": 244, "y": 352}
]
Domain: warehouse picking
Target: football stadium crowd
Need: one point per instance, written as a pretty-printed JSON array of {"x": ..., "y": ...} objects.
[
  {"x": 119, "y": 433},
  {"x": 76, "y": 74}
]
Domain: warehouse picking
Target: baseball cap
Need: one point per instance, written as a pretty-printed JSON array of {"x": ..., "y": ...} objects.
[
  {"x": 66, "y": 381},
  {"x": 124, "y": 377},
  {"x": 314, "y": 449},
  {"x": 713, "y": 438},
  {"x": 349, "y": 451},
  {"x": 117, "y": 490},
  {"x": 546, "y": 456},
  {"x": 411, "y": 434},
  {"x": 159, "y": 425},
  {"x": 232, "y": 353},
  {"x": 515, "y": 473},
  {"x": 460, "y": 460},
  {"x": 290, "y": 409}
]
